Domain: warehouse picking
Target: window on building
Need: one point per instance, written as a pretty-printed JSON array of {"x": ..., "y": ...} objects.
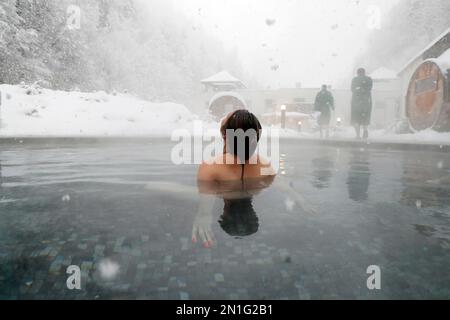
[{"x": 428, "y": 84}]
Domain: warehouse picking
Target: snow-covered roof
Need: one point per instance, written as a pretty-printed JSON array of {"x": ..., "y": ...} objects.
[
  {"x": 383, "y": 74},
  {"x": 227, "y": 94},
  {"x": 432, "y": 43},
  {"x": 443, "y": 61},
  {"x": 221, "y": 77}
]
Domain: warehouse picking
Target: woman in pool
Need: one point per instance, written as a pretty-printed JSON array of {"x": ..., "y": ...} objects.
[
  {"x": 240, "y": 131},
  {"x": 235, "y": 176},
  {"x": 240, "y": 163}
]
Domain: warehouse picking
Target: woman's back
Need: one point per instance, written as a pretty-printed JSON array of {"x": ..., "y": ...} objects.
[{"x": 226, "y": 168}]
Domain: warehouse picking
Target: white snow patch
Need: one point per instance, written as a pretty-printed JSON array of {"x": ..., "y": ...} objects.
[
  {"x": 428, "y": 136},
  {"x": 222, "y": 76},
  {"x": 31, "y": 111}
]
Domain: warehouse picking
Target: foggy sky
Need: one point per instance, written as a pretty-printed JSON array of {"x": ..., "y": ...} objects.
[{"x": 312, "y": 41}]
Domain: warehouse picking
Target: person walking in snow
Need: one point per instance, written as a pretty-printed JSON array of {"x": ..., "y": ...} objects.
[
  {"x": 324, "y": 103},
  {"x": 361, "y": 103}
]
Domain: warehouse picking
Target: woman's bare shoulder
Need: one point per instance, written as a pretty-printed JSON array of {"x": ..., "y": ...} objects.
[
  {"x": 211, "y": 168},
  {"x": 207, "y": 171}
]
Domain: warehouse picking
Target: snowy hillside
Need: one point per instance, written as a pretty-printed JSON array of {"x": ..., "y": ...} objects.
[
  {"x": 144, "y": 46},
  {"x": 33, "y": 111}
]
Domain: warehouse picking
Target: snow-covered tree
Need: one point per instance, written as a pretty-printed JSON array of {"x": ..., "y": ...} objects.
[
  {"x": 120, "y": 45},
  {"x": 406, "y": 29}
]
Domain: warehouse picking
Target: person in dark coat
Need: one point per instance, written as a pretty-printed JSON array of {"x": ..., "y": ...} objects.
[
  {"x": 361, "y": 103},
  {"x": 324, "y": 103}
]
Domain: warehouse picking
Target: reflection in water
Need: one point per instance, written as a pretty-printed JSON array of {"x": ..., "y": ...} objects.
[
  {"x": 424, "y": 182},
  {"x": 358, "y": 175},
  {"x": 282, "y": 164},
  {"x": 239, "y": 218},
  {"x": 425, "y": 185},
  {"x": 322, "y": 169}
]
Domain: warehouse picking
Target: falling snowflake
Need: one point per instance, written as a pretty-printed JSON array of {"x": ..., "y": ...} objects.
[
  {"x": 270, "y": 22},
  {"x": 418, "y": 204},
  {"x": 289, "y": 203},
  {"x": 108, "y": 269}
]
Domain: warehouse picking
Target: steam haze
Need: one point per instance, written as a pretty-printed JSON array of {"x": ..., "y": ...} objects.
[{"x": 311, "y": 42}]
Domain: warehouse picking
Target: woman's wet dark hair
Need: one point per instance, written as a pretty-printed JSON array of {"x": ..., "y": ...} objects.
[
  {"x": 239, "y": 219},
  {"x": 251, "y": 132}
]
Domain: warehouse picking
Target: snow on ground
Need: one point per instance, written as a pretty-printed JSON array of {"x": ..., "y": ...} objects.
[
  {"x": 33, "y": 111},
  {"x": 377, "y": 136},
  {"x": 424, "y": 137}
]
